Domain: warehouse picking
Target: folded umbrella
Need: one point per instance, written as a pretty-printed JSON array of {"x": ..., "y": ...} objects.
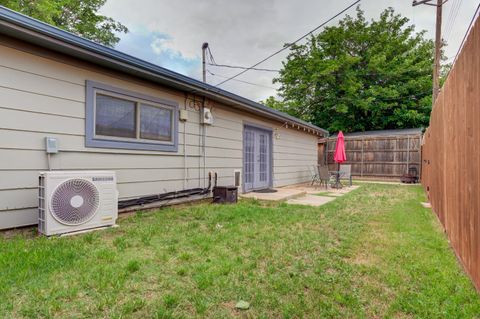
[{"x": 339, "y": 156}]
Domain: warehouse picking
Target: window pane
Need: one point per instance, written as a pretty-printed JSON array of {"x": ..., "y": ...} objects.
[
  {"x": 155, "y": 123},
  {"x": 115, "y": 117}
]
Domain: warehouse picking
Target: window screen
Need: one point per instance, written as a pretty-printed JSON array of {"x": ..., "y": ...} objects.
[
  {"x": 115, "y": 117},
  {"x": 155, "y": 123}
]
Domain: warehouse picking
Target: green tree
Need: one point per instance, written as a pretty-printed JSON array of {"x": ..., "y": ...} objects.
[
  {"x": 77, "y": 16},
  {"x": 360, "y": 75}
]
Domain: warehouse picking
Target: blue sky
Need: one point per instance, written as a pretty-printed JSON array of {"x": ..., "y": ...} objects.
[{"x": 156, "y": 47}]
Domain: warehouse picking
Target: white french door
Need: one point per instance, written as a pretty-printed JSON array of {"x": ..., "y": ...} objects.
[{"x": 257, "y": 152}]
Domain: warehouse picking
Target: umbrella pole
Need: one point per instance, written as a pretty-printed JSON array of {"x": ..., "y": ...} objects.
[{"x": 338, "y": 174}]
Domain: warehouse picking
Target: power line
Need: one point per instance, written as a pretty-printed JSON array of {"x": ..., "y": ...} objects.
[
  {"x": 449, "y": 18},
  {"x": 289, "y": 44},
  {"x": 452, "y": 16},
  {"x": 246, "y": 82},
  {"x": 465, "y": 35},
  {"x": 210, "y": 56},
  {"x": 242, "y": 67},
  {"x": 212, "y": 62},
  {"x": 438, "y": 44},
  {"x": 427, "y": 2}
]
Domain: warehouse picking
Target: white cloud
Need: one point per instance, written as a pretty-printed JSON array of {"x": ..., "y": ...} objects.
[
  {"x": 170, "y": 47},
  {"x": 244, "y": 32}
]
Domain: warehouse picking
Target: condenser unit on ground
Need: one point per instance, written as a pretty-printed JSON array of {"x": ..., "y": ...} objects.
[{"x": 72, "y": 201}]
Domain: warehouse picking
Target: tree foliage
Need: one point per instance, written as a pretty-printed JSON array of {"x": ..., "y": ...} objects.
[
  {"x": 360, "y": 75},
  {"x": 77, "y": 16}
]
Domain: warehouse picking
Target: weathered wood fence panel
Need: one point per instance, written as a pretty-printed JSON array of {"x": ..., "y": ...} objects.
[
  {"x": 451, "y": 156},
  {"x": 379, "y": 156}
]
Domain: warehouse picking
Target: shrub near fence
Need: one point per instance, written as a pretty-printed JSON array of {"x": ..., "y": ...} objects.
[{"x": 451, "y": 156}]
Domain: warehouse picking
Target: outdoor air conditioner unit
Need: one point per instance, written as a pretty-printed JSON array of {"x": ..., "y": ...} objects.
[{"x": 72, "y": 201}]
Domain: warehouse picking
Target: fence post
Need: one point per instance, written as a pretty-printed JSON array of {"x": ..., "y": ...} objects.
[
  {"x": 408, "y": 152},
  {"x": 361, "y": 165},
  {"x": 395, "y": 164},
  {"x": 420, "y": 155}
]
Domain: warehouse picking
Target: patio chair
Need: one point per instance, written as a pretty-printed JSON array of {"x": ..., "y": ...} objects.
[
  {"x": 325, "y": 175},
  {"x": 315, "y": 176},
  {"x": 346, "y": 173}
]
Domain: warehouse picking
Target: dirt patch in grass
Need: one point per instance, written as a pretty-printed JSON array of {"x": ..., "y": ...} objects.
[
  {"x": 230, "y": 307},
  {"x": 364, "y": 259},
  {"x": 29, "y": 232}
]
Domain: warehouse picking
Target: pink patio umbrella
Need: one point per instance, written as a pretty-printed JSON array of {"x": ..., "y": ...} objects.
[{"x": 339, "y": 156}]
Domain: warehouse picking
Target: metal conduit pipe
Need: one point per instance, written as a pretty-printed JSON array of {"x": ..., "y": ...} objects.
[
  {"x": 185, "y": 170},
  {"x": 204, "y": 153}
]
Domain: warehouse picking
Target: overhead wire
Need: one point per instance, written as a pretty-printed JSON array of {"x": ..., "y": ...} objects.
[
  {"x": 242, "y": 67},
  {"x": 447, "y": 22},
  {"x": 241, "y": 81},
  {"x": 465, "y": 35},
  {"x": 452, "y": 16},
  {"x": 211, "y": 61},
  {"x": 210, "y": 56},
  {"x": 289, "y": 44},
  {"x": 433, "y": 4}
]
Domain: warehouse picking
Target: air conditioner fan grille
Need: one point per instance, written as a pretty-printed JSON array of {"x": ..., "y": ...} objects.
[{"x": 74, "y": 202}]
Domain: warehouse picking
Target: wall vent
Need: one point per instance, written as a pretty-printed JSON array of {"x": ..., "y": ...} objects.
[{"x": 237, "y": 178}]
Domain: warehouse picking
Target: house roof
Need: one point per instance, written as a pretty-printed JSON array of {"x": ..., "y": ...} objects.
[
  {"x": 393, "y": 132},
  {"x": 22, "y": 27}
]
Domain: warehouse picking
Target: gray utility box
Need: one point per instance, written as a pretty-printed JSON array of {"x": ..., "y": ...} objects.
[{"x": 225, "y": 194}]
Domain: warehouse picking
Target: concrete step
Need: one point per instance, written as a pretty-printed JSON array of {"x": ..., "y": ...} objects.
[
  {"x": 282, "y": 194},
  {"x": 311, "y": 200}
]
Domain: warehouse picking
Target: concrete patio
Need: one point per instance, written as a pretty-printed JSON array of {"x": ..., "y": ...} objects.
[
  {"x": 281, "y": 194},
  {"x": 301, "y": 194}
]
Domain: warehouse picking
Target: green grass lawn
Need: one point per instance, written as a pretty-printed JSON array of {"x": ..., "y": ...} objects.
[{"x": 375, "y": 252}]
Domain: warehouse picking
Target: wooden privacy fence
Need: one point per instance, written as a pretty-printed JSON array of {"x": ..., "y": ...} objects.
[
  {"x": 451, "y": 156},
  {"x": 385, "y": 155}
]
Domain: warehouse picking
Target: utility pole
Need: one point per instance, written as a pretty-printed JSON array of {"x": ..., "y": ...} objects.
[
  {"x": 438, "y": 48},
  {"x": 438, "y": 44},
  {"x": 204, "y": 69}
]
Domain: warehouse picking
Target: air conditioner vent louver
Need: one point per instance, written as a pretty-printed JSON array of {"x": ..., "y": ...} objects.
[{"x": 74, "y": 202}]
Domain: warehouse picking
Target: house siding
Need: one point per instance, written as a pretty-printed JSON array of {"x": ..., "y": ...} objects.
[{"x": 44, "y": 95}]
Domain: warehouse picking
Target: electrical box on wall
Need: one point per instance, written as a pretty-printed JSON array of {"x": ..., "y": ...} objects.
[
  {"x": 183, "y": 115},
  {"x": 207, "y": 116},
  {"x": 51, "y": 145}
]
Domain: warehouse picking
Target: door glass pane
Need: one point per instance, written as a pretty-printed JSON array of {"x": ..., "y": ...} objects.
[
  {"x": 263, "y": 158},
  {"x": 249, "y": 156},
  {"x": 114, "y": 117},
  {"x": 155, "y": 123}
]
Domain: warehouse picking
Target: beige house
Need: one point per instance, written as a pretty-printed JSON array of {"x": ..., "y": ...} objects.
[{"x": 109, "y": 111}]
